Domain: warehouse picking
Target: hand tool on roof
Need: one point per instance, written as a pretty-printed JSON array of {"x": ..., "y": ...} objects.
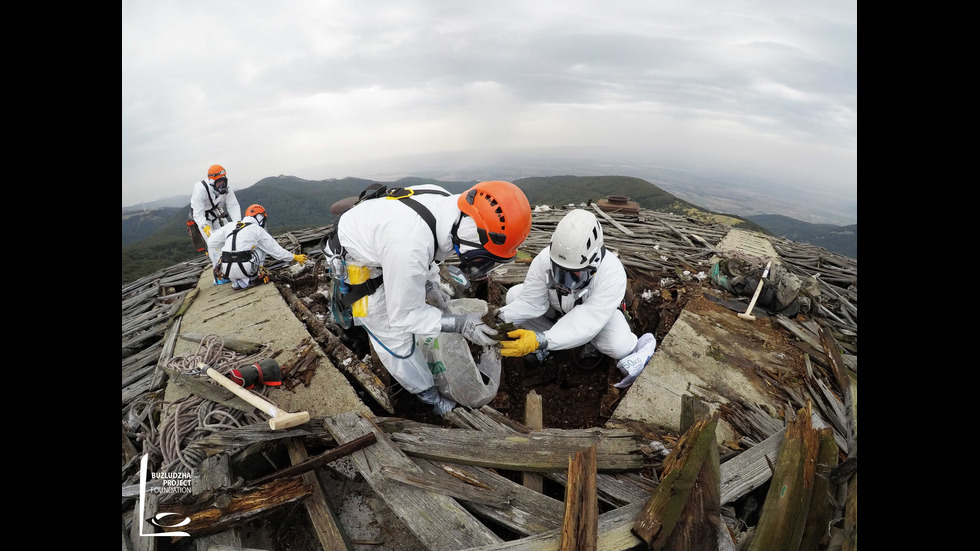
[
  {"x": 279, "y": 419},
  {"x": 748, "y": 311}
]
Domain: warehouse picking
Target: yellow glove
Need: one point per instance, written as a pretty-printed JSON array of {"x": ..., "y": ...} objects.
[
  {"x": 525, "y": 343},
  {"x": 301, "y": 258},
  {"x": 207, "y": 230}
]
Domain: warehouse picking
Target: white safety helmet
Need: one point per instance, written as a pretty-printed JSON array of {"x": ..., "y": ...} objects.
[{"x": 577, "y": 249}]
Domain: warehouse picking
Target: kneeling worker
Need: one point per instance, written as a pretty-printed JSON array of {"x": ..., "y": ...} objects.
[
  {"x": 239, "y": 249},
  {"x": 571, "y": 296}
]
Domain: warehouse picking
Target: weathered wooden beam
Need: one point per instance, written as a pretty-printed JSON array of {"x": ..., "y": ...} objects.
[
  {"x": 546, "y": 450},
  {"x": 325, "y": 523},
  {"x": 533, "y": 418},
  {"x": 580, "y": 529},
  {"x": 660, "y": 514},
  {"x": 816, "y": 533},
  {"x": 787, "y": 503},
  {"x": 437, "y": 520},
  {"x": 320, "y": 460},
  {"x": 237, "y": 508},
  {"x": 342, "y": 356}
]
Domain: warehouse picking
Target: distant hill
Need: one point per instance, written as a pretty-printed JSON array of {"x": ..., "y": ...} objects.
[
  {"x": 158, "y": 238},
  {"x": 838, "y": 239}
]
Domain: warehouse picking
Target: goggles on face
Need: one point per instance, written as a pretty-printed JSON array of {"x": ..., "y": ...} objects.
[
  {"x": 477, "y": 263},
  {"x": 567, "y": 281},
  {"x": 221, "y": 185},
  {"x": 261, "y": 221}
]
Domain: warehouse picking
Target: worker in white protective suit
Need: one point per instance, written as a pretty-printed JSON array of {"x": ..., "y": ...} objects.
[
  {"x": 213, "y": 202},
  {"x": 238, "y": 250},
  {"x": 572, "y": 296},
  {"x": 400, "y": 251}
]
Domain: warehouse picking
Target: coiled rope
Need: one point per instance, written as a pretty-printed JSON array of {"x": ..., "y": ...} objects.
[{"x": 171, "y": 444}]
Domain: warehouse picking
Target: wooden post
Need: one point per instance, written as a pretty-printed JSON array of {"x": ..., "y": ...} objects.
[
  {"x": 322, "y": 516},
  {"x": 533, "y": 418},
  {"x": 787, "y": 503},
  {"x": 580, "y": 528},
  {"x": 822, "y": 508},
  {"x": 682, "y": 467}
]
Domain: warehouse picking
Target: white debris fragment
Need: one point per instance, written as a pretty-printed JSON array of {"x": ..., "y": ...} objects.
[
  {"x": 542, "y": 208},
  {"x": 647, "y": 294},
  {"x": 346, "y": 362},
  {"x": 664, "y": 258},
  {"x": 701, "y": 276}
]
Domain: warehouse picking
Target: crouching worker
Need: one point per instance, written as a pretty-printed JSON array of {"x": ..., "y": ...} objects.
[
  {"x": 391, "y": 245},
  {"x": 572, "y": 296},
  {"x": 239, "y": 249}
]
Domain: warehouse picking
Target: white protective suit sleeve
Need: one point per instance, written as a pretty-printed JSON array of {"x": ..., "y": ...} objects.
[
  {"x": 217, "y": 241},
  {"x": 583, "y": 322},
  {"x": 533, "y": 300},
  {"x": 231, "y": 205},
  {"x": 200, "y": 202}
]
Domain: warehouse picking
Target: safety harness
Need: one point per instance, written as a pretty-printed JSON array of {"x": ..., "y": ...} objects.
[
  {"x": 235, "y": 256},
  {"x": 374, "y": 191},
  {"x": 215, "y": 213}
]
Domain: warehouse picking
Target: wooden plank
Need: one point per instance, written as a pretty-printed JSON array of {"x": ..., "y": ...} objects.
[
  {"x": 527, "y": 513},
  {"x": 614, "y": 534},
  {"x": 750, "y": 469},
  {"x": 325, "y": 523},
  {"x": 214, "y": 474},
  {"x": 328, "y": 456},
  {"x": 787, "y": 503},
  {"x": 609, "y": 219},
  {"x": 438, "y": 521},
  {"x": 580, "y": 529},
  {"x": 540, "y": 451},
  {"x": 682, "y": 467}
]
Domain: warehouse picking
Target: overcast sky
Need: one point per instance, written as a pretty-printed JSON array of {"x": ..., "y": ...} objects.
[{"x": 267, "y": 88}]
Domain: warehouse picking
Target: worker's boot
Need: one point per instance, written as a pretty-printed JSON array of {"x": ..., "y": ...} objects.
[
  {"x": 440, "y": 404},
  {"x": 536, "y": 358},
  {"x": 633, "y": 363},
  {"x": 589, "y": 356}
]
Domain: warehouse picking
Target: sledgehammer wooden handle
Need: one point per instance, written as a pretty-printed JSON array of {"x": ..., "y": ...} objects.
[
  {"x": 748, "y": 311},
  {"x": 278, "y": 419}
]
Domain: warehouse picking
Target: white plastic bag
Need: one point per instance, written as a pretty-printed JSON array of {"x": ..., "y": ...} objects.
[{"x": 472, "y": 384}]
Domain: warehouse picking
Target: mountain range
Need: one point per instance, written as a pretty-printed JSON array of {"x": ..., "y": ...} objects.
[{"x": 154, "y": 235}]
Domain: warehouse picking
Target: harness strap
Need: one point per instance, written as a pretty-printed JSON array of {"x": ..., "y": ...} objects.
[
  {"x": 375, "y": 191},
  {"x": 237, "y": 257},
  {"x": 213, "y": 213}
]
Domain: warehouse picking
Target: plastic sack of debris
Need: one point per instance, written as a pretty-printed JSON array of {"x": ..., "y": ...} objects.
[
  {"x": 457, "y": 375},
  {"x": 780, "y": 290}
]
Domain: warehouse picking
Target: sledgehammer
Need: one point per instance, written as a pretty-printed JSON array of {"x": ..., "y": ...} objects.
[
  {"x": 279, "y": 419},
  {"x": 748, "y": 312}
]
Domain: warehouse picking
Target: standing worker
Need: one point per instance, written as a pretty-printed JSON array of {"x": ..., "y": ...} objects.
[
  {"x": 239, "y": 249},
  {"x": 572, "y": 295},
  {"x": 397, "y": 254},
  {"x": 213, "y": 202}
]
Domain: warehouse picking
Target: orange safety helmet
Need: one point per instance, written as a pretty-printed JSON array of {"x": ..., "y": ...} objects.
[
  {"x": 215, "y": 172},
  {"x": 254, "y": 211},
  {"x": 218, "y": 178},
  {"x": 502, "y": 214}
]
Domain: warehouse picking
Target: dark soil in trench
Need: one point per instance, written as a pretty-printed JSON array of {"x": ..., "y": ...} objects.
[{"x": 572, "y": 397}]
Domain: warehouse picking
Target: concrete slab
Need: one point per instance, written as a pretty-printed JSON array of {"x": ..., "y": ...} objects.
[
  {"x": 747, "y": 244},
  {"x": 710, "y": 353},
  {"x": 259, "y": 314}
]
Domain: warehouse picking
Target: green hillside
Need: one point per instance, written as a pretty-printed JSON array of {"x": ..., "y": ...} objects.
[{"x": 158, "y": 238}]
